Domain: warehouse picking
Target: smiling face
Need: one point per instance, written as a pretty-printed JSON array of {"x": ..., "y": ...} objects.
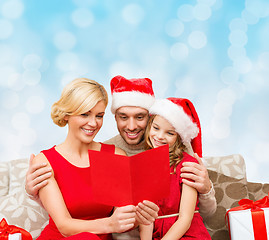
[
  {"x": 131, "y": 123},
  {"x": 84, "y": 127},
  {"x": 162, "y": 132}
]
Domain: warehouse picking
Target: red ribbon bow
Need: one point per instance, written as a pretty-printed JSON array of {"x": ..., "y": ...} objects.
[
  {"x": 6, "y": 229},
  {"x": 257, "y": 214}
]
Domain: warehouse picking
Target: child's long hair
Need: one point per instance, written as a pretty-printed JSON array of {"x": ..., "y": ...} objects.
[{"x": 175, "y": 151}]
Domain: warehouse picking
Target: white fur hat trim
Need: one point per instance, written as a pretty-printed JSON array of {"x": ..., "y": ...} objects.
[
  {"x": 175, "y": 114},
  {"x": 134, "y": 99}
]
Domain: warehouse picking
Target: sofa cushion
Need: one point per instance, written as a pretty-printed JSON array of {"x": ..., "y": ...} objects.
[
  {"x": 231, "y": 165},
  {"x": 228, "y": 192},
  {"x": 4, "y": 179},
  {"x": 16, "y": 207}
]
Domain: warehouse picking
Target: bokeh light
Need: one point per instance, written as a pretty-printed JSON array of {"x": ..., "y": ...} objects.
[
  {"x": 32, "y": 61},
  {"x": 259, "y": 8},
  {"x": 202, "y": 12},
  {"x": 10, "y": 99},
  {"x": 214, "y": 52},
  {"x": 174, "y": 28},
  {"x": 82, "y": 17},
  {"x": 229, "y": 75},
  {"x": 249, "y": 17},
  {"x": 185, "y": 12},
  {"x": 12, "y": 9},
  {"x": 35, "y": 104},
  {"x": 5, "y": 72},
  {"x": 20, "y": 120},
  {"x": 238, "y": 38},
  {"x": 64, "y": 40},
  {"x": 235, "y": 52},
  {"x": 133, "y": 14},
  {"x": 6, "y": 29},
  {"x": 207, "y": 2},
  {"x": 31, "y": 77},
  {"x": 243, "y": 64},
  {"x": 179, "y": 51},
  {"x": 67, "y": 61},
  {"x": 238, "y": 24},
  {"x": 197, "y": 39}
]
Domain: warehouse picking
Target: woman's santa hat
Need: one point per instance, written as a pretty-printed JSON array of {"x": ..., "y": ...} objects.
[
  {"x": 181, "y": 113},
  {"x": 136, "y": 92}
]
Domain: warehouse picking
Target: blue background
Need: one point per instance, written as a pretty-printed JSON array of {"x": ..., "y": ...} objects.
[{"x": 214, "y": 52}]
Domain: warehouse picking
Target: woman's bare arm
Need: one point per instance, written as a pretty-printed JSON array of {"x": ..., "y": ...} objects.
[{"x": 122, "y": 219}]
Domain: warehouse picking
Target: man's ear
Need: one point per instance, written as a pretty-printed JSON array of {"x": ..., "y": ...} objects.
[{"x": 115, "y": 115}]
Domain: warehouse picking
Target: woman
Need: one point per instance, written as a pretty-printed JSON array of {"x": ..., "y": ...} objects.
[
  {"x": 175, "y": 122},
  {"x": 67, "y": 197}
]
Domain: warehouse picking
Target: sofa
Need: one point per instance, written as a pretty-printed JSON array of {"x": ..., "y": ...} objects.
[{"x": 227, "y": 173}]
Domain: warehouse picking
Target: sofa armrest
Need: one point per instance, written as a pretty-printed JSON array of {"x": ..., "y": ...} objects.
[
  {"x": 228, "y": 192},
  {"x": 16, "y": 207},
  {"x": 4, "y": 178},
  {"x": 257, "y": 191},
  {"x": 231, "y": 165}
]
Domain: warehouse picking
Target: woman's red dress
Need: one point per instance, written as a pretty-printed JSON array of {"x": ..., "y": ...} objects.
[{"x": 75, "y": 185}]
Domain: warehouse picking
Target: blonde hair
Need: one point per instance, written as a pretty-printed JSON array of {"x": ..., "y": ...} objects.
[
  {"x": 175, "y": 151},
  {"x": 78, "y": 97}
]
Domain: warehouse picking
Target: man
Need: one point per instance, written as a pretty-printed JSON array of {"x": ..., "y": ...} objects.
[{"x": 131, "y": 100}]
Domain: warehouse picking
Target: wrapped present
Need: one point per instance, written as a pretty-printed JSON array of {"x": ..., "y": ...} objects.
[
  {"x": 250, "y": 220},
  {"x": 12, "y": 232},
  {"x": 15, "y": 236}
]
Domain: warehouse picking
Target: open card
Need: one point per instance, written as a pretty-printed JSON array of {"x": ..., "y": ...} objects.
[{"x": 121, "y": 180}]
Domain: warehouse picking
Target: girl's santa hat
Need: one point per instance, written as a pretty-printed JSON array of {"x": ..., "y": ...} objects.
[
  {"x": 182, "y": 115},
  {"x": 137, "y": 92}
]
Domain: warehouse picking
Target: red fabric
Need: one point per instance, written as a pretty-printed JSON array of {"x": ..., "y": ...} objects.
[
  {"x": 6, "y": 229},
  {"x": 189, "y": 109},
  {"x": 75, "y": 185},
  {"x": 170, "y": 205},
  {"x": 122, "y": 84},
  {"x": 259, "y": 225}
]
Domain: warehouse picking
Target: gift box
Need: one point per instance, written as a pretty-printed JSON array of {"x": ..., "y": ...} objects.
[
  {"x": 12, "y": 232},
  {"x": 250, "y": 220},
  {"x": 15, "y": 236}
]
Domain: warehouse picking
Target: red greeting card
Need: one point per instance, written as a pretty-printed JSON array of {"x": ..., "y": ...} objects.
[{"x": 121, "y": 180}]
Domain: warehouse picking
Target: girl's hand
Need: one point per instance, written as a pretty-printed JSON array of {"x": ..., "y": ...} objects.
[
  {"x": 123, "y": 219},
  {"x": 147, "y": 212},
  {"x": 146, "y": 231}
]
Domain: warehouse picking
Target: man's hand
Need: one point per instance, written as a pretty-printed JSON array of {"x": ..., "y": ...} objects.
[
  {"x": 146, "y": 212},
  {"x": 36, "y": 177},
  {"x": 198, "y": 174}
]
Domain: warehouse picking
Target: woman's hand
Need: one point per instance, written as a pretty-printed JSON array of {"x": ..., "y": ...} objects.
[{"x": 123, "y": 219}]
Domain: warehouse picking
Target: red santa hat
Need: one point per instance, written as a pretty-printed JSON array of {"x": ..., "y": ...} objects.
[
  {"x": 137, "y": 92},
  {"x": 182, "y": 115}
]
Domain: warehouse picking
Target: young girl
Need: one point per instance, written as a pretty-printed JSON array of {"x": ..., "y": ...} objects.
[{"x": 174, "y": 121}]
